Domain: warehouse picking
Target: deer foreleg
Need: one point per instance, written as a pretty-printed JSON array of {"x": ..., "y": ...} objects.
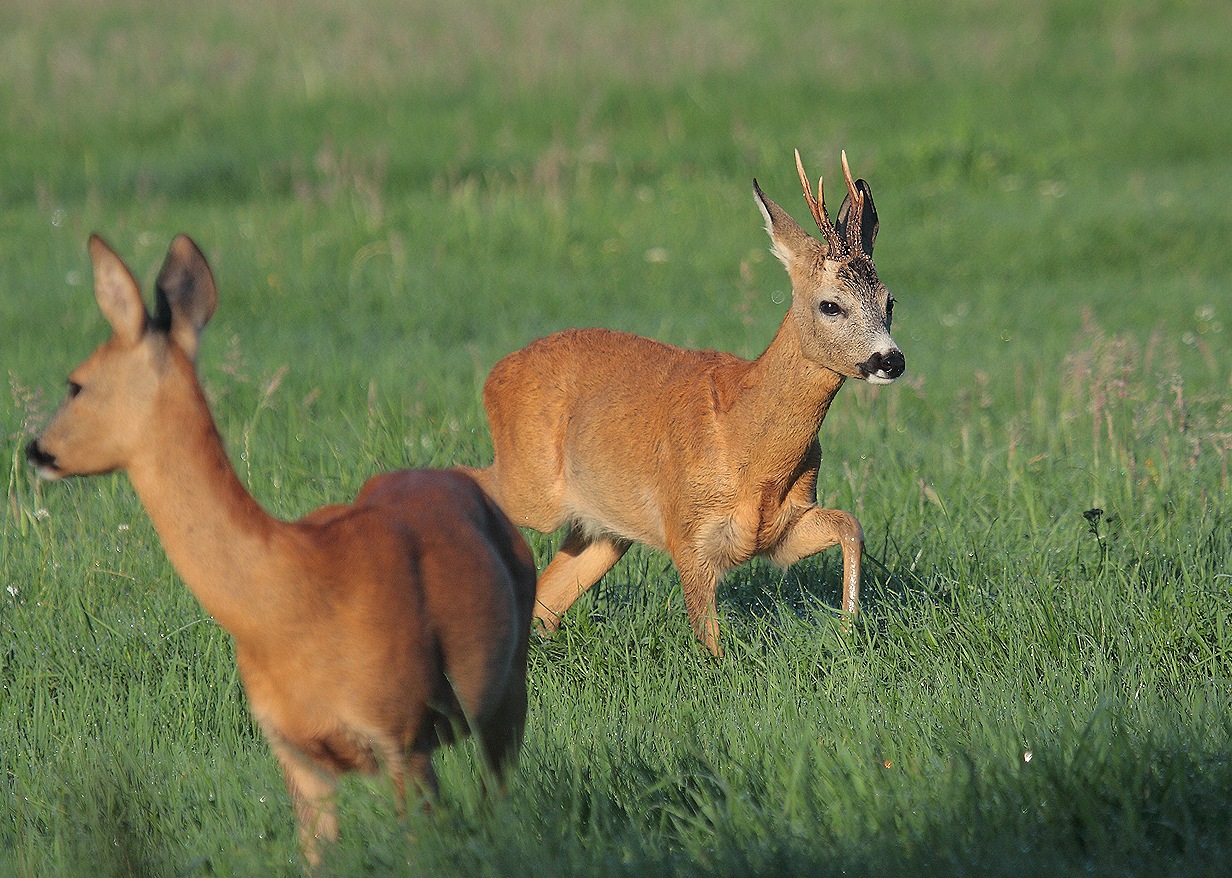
[
  {"x": 820, "y": 529},
  {"x": 698, "y": 581},
  {"x": 312, "y": 794}
]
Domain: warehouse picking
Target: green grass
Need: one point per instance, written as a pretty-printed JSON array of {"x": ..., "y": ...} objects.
[{"x": 395, "y": 195}]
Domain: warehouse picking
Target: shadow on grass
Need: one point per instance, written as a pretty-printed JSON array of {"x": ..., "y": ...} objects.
[
  {"x": 1152, "y": 807},
  {"x": 644, "y": 589},
  {"x": 100, "y": 824}
]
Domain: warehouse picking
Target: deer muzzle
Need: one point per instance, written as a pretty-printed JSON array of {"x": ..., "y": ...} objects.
[
  {"x": 43, "y": 463},
  {"x": 882, "y": 368}
]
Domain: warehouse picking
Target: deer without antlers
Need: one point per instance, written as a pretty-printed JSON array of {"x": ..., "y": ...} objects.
[
  {"x": 705, "y": 455},
  {"x": 366, "y": 633}
]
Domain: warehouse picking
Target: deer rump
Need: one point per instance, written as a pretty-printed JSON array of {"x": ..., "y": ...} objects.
[{"x": 416, "y": 638}]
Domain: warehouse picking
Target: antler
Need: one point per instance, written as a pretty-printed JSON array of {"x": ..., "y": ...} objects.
[
  {"x": 818, "y": 208},
  {"x": 857, "y": 209}
]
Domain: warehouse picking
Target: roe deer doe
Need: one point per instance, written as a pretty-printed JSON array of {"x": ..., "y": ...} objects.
[
  {"x": 365, "y": 634},
  {"x": 705, "y": 455}
]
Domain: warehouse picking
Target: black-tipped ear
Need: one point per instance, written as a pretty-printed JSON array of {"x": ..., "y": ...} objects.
[
  {"x": 185, "y": 295},
  {"x": 116, "y": 291},
  {"x": 868, "y": 219}
]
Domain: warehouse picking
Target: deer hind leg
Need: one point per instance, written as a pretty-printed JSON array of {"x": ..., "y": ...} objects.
[
  {"x": 579, "y": 564},
  {"x": 698, "y": 581},
  {"x": 422, "y": 774},
  {"x": 820, "y": 529},
  {"x": 492, "y": 698},
  {"x": 500, "y": 733},
  {"x": 312, "y": 790}
]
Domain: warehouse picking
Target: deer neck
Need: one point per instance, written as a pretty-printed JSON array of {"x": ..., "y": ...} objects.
[
  {"x": 785, "y": 397},
  {"x": 216, "y": 535}
]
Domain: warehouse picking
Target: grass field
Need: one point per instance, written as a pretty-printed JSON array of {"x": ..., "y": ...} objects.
[{"x": 395, "y": 194}]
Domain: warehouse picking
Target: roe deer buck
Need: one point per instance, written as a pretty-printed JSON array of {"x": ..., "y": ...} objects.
[
  {"x": 708, "y": 456},
  {"x": 365, "y": 634}
]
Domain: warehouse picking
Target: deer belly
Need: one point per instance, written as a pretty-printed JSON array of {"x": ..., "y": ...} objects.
[
  {"x": 624, "y": 511},
  {"x": 639, "y": 523},
  {"x": 616, "y": 482}
]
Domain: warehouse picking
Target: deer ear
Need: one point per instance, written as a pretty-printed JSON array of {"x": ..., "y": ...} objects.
[
  {"x": 790, "y": 242},
  {"x": 185, "y": 295},
  {"x": 117, "y": 293},
  {"x": 868, "y": 218}
]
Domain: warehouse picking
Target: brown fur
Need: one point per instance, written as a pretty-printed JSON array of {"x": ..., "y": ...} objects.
[
  {"x": 702, "y": 454},
  {"x": 366, "y": 633}
]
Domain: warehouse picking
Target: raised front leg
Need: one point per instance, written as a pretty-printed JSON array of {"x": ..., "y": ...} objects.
[
  {"x": 820, "y": 529},
  {"x": 578, "y": 565}
]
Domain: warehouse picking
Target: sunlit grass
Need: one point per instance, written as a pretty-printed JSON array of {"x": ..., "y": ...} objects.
[{"x": 392, "y": 196}]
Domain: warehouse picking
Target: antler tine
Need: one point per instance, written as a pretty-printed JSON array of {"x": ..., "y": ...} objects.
[
  {"x": 818, "y": 207},
  {"x": 857, "y": 207},
  {"x": 808, "y": 191},
  {"x": 856, "y": 198}
]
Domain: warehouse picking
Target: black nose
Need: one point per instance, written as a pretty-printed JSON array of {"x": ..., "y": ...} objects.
[
  {"x": 889, "y": 365},
  {"x": 894, "y": 363},
  {"x": 38, "y": 456}
]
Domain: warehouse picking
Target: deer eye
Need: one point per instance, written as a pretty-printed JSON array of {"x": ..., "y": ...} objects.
[
  {"x": 889, "y": 309},
  {"x": 830, "y": 309},
  {"x": 73, "y": 389}
]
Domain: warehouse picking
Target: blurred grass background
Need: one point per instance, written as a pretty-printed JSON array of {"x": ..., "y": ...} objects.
[{"x": 395, "y": 194}]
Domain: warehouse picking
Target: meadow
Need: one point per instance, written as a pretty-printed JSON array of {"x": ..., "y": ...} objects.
[{"x": 393, "y": 195}]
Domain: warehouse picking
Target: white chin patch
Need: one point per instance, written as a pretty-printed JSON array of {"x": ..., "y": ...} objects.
[
  {"x": 878, "y": 378},
  {"x": 46, "y": 472}
]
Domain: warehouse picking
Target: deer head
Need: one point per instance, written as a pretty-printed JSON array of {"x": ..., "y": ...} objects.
[
  {"x": 113, "y": 395},
  {"x": 841, "y": 310}
]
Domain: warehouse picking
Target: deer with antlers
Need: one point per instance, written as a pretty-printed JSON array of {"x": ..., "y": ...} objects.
[
  {"x": 705, "y": 455},
  {"x": 365, "y": 633}
]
